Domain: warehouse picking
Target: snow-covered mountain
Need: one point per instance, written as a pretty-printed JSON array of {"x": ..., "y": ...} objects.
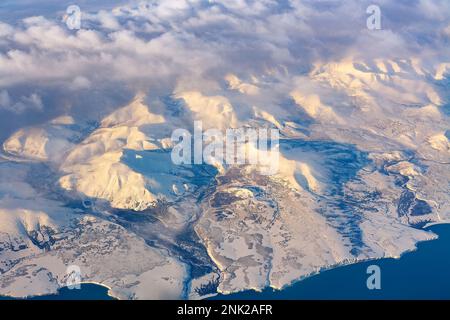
[
  {"x": 362, "y": 177},
  {"x": 363, "y": 167}
]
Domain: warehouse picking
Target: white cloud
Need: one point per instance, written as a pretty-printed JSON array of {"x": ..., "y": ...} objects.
[
  {"x": 4, "y": 99},
  {"x": 194, "y": 44},
  {"x": 108, "y": 20},
  {"x": 24, "y": 103},
  {"x": 80, "y": 83}
]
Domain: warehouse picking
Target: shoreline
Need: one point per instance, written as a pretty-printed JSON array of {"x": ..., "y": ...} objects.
[
  {"x": 344, "y": 263},
  {"x": 57, "y": 293}
]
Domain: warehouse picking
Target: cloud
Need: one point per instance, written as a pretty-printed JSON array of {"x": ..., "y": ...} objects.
[
  {"x": 5, "y": 100},
  {"x": 80, "y": 83},
  {"x": 24, "y": 103},
  {"x": 164, "y": 46},
  {"x": 178, "y": 37}
]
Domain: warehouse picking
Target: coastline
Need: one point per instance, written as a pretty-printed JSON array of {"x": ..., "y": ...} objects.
[
  {"x": 345, "y": 263},
  {"x": 109, "y": 292}
]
